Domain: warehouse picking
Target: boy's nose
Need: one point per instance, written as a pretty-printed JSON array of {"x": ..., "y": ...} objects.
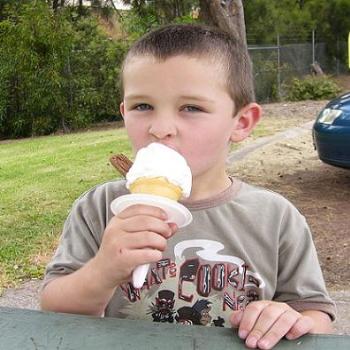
[{"x": 162, "y": 129}]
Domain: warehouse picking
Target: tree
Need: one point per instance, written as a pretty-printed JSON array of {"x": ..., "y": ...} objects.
[
  {"x": 57, "y": 70},
  {"x": 164, "y": 11},
  {"x": 225, "y": 14},
  {"x": 56, "y": 4},
  {"x": 267, "y": 18}
]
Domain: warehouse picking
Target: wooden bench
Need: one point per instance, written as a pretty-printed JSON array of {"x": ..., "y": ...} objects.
[{"x": 28, "y": 329}]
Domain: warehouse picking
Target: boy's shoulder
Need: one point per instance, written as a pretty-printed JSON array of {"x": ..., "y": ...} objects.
[
  {"x": 272, "y": 211},
  {"x": 248, "y": 189},
  {"x": 263, "y": 198},
  {"x": 103, "y": 193}
]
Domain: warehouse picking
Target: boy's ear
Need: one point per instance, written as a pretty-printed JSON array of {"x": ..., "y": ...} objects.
[
  {"x": 246, "y": 120},
  {"x": 121, "y": 109}
]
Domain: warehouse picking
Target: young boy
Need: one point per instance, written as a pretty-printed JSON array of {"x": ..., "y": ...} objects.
[{"x": 247, "y": 259}]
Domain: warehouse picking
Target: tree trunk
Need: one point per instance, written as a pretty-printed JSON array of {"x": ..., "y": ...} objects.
[
  {"x": 55, "y": 5},
  {"x": 225, "y": 14},
  {"x": 301, "y": 4}
]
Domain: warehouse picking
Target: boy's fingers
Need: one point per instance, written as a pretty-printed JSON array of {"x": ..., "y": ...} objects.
[
  {"x": 250, "y": 316},
  {"x": 140, "y": 223},
  {"x": 146, "y": 223},
  {"x": 266, "y": 320},
  {"x": 141, "y": 209},
  {"x": 236, "y": 318},
  {"x": 143, "y": 256},
  {"x": 146, "y": 239},
  {"x": 173, "y": 227},
  {"x": 279, "y": 329},
  {"x": 302, "y": 326}
]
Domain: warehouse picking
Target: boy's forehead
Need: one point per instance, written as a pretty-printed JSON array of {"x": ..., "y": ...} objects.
[
  {"x": 145, "y": 69},
  {"x": 142, "y": 61},
  {"x": 177, "y": 75}
]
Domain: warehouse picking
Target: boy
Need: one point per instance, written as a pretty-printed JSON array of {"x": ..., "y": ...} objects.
[{"x": 247, "y": 259}]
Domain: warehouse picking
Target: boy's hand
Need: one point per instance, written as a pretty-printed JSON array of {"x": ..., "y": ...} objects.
[
  {"x": 264, "y": 323},
  {"x": 136, "y": 236}
]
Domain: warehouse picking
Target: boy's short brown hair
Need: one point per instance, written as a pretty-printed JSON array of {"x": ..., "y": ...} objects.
[{"x": 201, "y": 41}]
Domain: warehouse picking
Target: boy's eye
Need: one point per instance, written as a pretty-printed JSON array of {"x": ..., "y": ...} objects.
[
  {"x": 142, "y": 107},
  {"x": 192, "y": 109}
]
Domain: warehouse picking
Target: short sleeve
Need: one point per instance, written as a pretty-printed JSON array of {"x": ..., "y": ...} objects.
[
  {"x": 300, "y": 281},
  {"x": 82, "y": 231}
]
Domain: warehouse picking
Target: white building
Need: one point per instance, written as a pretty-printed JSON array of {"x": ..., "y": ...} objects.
[
  {"x": 117, "y": 3},
  {"x": 120, "y": 6}
]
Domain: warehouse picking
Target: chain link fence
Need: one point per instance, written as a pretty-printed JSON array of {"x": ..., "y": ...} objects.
[{"x": 275, "y": 65}]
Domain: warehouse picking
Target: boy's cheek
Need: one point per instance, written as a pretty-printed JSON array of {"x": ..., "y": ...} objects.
[{"x": 136, "y": 138}]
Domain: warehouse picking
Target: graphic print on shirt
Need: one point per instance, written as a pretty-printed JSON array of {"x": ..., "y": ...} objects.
[
  {"x": 198, "y": 314},
  {"x": 163, "y": 309},
  {"x": 199, "y": 286}
]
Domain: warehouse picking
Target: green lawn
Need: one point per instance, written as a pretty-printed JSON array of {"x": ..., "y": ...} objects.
[{"x": 39, "y": 180}]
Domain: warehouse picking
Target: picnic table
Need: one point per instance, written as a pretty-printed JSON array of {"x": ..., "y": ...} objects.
[{"x": 36, "y": 330}]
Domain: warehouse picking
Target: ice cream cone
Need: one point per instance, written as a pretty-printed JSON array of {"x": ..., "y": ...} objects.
[
  {"x": 159, "y": 171},
  {"x": 159, "y": 186}
]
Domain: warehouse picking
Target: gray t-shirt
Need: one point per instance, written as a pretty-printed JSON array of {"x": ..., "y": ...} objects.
[{"x": 244, "y": 244}]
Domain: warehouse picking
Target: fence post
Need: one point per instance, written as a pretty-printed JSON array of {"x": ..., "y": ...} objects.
[
  {"x": 278, "y": 68},
  {"x": 337, "y": 56},
  {"x": 313, "y": 46}
]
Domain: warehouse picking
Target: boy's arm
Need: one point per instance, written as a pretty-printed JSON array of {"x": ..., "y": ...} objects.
[
  {"x": 264, "y": 323},
  {"x": 81, "y": 292},
  {"x": 136, "y": 236}
]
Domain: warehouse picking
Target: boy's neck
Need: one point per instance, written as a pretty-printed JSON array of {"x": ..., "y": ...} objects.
[{"x": 203, "y": 188}]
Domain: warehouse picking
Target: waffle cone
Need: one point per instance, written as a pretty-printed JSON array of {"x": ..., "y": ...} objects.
[{"x": 159, "y": 186}]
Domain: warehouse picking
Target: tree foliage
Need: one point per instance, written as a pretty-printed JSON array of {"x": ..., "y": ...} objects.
[
  {"x": 265, "y": 18},
  {"x": 146, "y": 15},
  {"x": 56, "y": 71}
]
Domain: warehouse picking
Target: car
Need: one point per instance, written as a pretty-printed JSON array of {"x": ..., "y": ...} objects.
[{"x": 331, "y": 132}]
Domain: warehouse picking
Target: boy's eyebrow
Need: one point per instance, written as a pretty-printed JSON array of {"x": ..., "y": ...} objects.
[
  {"x": 197, "y": 98},
  {"x": 136, "y": 97},
  {"x": 182, "y": 97}
]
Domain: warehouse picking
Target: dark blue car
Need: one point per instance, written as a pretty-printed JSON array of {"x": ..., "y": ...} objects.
[{"x": 331, "y": 132}]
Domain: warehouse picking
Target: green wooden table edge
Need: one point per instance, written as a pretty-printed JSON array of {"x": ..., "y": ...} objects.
[{"x": 30, "y": 329}]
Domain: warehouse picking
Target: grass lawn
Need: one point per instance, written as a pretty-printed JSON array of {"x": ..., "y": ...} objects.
[{"x": 39, "y": 180}]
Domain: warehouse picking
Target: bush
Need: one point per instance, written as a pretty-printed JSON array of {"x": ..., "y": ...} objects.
[
  {"x": 93, "y": 74},
  {"x": 57, "y": 70},
  {"x": 33, "y": 47},
  {"x": 313, "y": 88}
]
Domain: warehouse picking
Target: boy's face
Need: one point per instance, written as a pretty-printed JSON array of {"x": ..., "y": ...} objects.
[{"x": 181, "y": 102}]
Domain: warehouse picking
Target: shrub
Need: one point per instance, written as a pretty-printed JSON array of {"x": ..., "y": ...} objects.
[
  {"x": 313, "y": 88},
  {"x": 57, "y": 70}
]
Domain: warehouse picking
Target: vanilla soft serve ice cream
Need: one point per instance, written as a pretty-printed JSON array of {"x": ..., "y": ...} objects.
[{"x": 160, "y": 170}]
